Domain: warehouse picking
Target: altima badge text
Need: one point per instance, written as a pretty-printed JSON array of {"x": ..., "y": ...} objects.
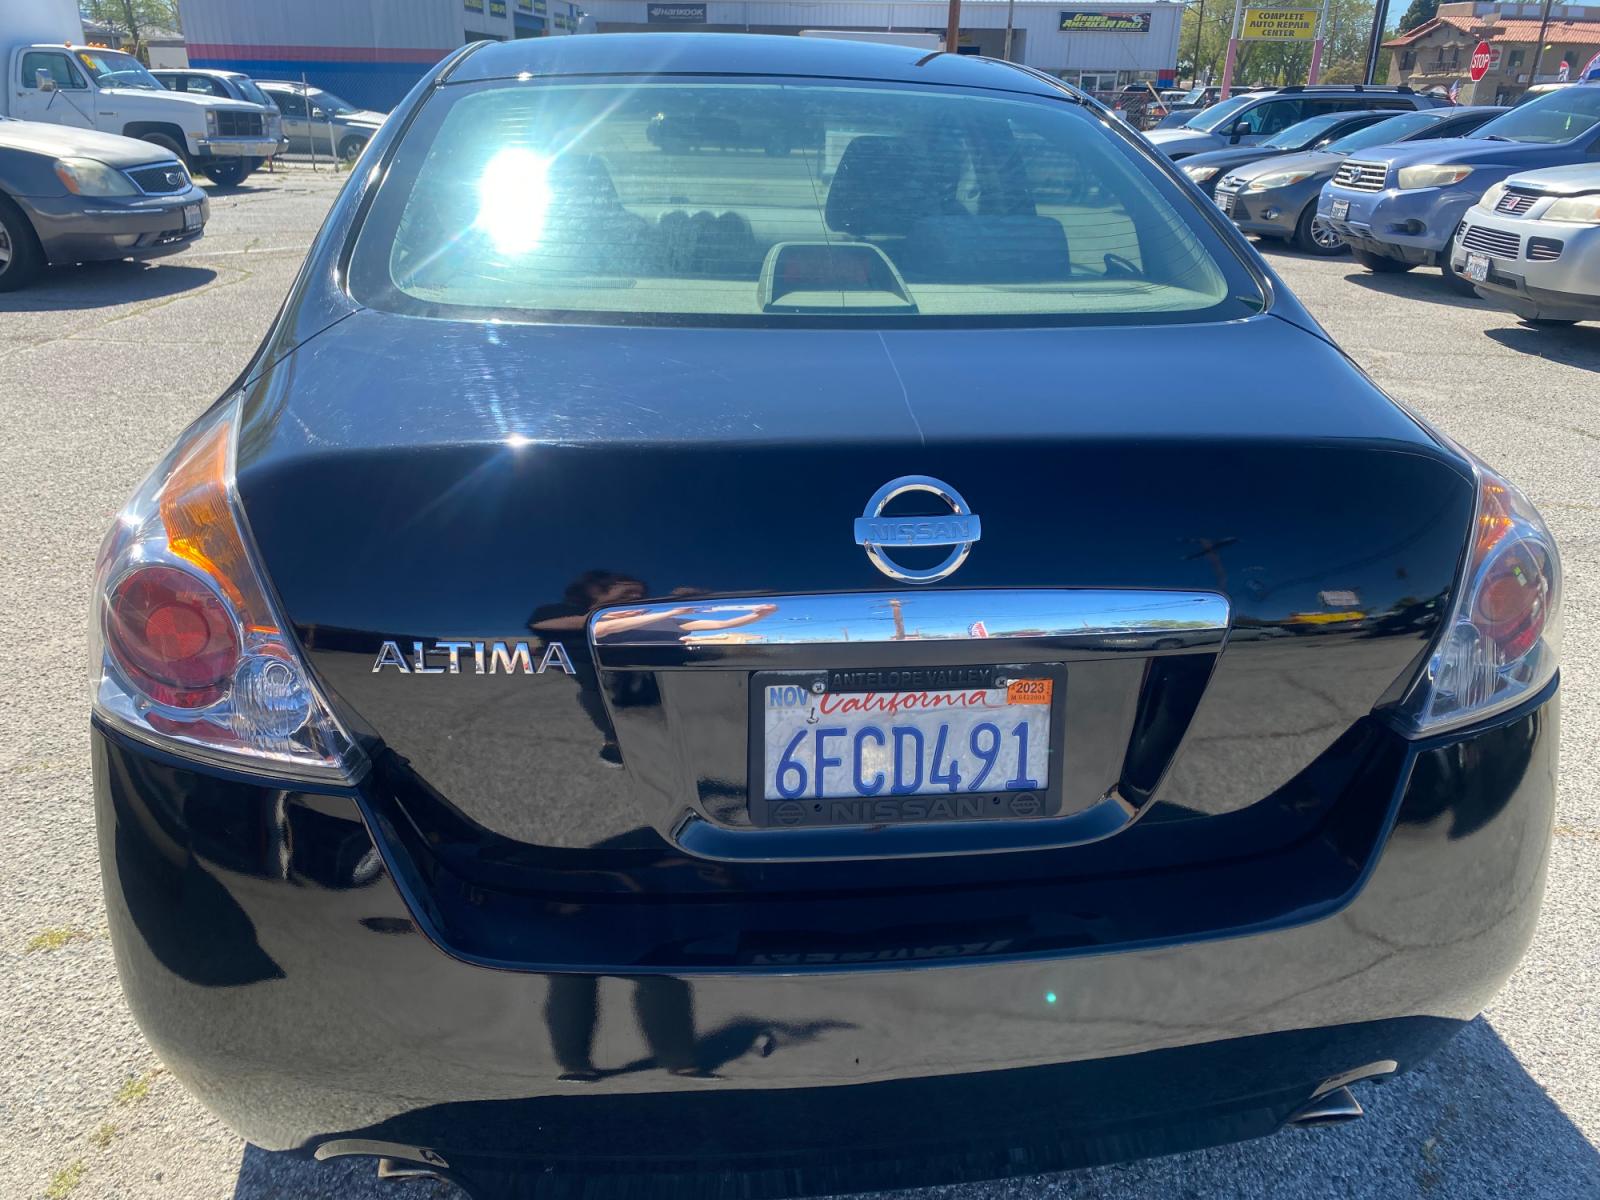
[
  {"x": 488, "y": 658},
  {"x": 959, "y": 528}
]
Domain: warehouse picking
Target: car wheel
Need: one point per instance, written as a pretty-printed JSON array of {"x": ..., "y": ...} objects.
[
  {"x": 20, "y": 255},
  {"x": 1315, "y": 236},
  {"x": 1454, "y": 280},
  {"x": 227, "y": 172},
  {"x": 1382, "y": 263},
  {"x": 167, "y": 144},
  {"x": 350, "y": 149}
]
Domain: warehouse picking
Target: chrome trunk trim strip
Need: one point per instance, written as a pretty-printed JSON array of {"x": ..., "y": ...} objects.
[{"x": 728, "y": 631}]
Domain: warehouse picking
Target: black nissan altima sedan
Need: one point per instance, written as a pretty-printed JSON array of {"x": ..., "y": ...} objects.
[{"x": 805, "y": 665}]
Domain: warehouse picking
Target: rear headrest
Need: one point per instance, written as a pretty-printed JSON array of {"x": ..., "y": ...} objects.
[
  {"x": 884, "y": 184},
  {"x": 998, "y": 250},
  {"x": 581, "y": 179}
]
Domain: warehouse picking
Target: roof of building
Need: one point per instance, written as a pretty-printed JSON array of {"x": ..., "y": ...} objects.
[
  {"x": 739, "y": 54},
  {"x": 1517, "y": 31}
]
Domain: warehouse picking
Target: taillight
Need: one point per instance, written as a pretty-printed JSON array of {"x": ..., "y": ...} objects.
[
  {"x": 1501, "y": 638},
  {"x": 188, "y": 647},
  {"x": 172, "y": 635}
]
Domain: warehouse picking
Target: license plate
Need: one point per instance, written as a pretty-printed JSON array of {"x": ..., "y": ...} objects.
[
  {"x": 873, "y": 747},
  {"x": 191, "y": 217},
  {"x": 1477, "y": 267},
  {"x": 1225, "y": 202},
  {"x": 1341, "y": 209}
]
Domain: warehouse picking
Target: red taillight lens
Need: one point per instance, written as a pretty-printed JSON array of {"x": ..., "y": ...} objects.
[
  {"x": 173, "y": 635},
  {"x": 1513, "y": 601}
]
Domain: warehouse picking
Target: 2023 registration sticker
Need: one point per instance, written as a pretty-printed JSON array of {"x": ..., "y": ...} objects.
[{"x": 906, "y": 743}]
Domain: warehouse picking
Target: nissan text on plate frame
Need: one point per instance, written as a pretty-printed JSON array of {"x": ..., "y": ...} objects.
[{"x": 726, "y": 660}]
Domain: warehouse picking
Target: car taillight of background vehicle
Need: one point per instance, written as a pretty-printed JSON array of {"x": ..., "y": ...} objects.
[
  {"x": 1501, "y": 639},
  {"x": 188, "y": 650}
]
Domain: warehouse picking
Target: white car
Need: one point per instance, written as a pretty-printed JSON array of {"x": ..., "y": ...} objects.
[{"x": 1532, "y": 244}]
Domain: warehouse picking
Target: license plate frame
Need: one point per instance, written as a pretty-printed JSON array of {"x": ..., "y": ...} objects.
[
  {"x": 1340, "y": 210},
  {"x": 913, "y": 809},
  {"x": 191, "y": 218},
  {"x": 1477, "y": 267}
]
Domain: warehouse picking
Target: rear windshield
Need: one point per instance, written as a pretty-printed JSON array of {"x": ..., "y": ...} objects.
[
  {"x": 249, "y": 90},
  {"x": 769, "y": 202}
]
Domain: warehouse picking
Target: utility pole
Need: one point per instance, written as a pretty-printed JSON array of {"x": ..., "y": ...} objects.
[
  {"x": 1316, "y": 46},
  {"x": 1199, "y": 28},
  {"x": 1538, "y": 51},
  {"x": 1233, "y": 50},
  {"x": 952, "y": 29},
  {"x": 1011, "y": 12},
  {"x": 1375, "y": 39}
]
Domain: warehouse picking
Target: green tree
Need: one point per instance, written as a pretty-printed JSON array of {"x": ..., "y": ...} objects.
[
  {"x": 1420, "y": 13},
  {"x": 134, "y": 19},
  {"x": 1345, "y": 42}
]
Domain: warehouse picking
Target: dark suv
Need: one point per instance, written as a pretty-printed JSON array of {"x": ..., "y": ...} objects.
[{"x": 1245, "y": 120}]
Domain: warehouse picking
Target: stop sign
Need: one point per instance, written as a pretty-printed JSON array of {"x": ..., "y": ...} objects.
[{"x": 1480, "y": 61}]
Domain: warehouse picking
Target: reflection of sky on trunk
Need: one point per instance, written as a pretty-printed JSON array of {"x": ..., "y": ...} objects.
[{"x": 865, "y": 617}]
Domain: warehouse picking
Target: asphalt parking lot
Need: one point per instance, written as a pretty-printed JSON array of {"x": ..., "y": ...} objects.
[{"x": 101, "y": 366}]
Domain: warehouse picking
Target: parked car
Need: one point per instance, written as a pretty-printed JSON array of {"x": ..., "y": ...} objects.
[
  {"x": 77, "y": 195},
  {"x": 314, "y": 116},
  {"x": 53, "y": 78},
  {"x": 1532, "y": 244},
  {"x": 1181, "y": 108},
  {"x": 1256, "y": 116},
  {"x": 1399, "y": 206},
  {"x": 1277, "y": 198},
  {"x": 230, "y": 85},
  {"x": 1207, "y": 168},
  {"x": 946, "y": 845}
]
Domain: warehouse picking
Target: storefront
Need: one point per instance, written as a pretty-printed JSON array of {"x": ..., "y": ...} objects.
[{"x": 1100, "y": 48}]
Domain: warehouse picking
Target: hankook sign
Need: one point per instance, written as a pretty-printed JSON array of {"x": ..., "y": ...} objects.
[{"x": 676, "y": 14}]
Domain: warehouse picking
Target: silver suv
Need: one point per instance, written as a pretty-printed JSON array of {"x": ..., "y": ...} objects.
[
  {"x": 314, "y": 118},
  {"x": 1256, "y": 116}
]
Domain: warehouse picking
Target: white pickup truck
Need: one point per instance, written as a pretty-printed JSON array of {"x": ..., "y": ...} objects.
[{"x": 52, "y": 77}]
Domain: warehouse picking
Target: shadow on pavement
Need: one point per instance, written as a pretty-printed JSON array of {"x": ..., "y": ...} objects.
[
  {"x": 105, "y": 285},
  {"x": 1420, "y": 283},
  {"x": 1470, "y": 1125},
  {"x": 1572, "y": 345}
]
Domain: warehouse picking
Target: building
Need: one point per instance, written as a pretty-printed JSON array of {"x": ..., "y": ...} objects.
[
  {"x": 1438, "y": 54},
  {"x": 371, "y": 53},
  {"x": 1096, "y": 47}
]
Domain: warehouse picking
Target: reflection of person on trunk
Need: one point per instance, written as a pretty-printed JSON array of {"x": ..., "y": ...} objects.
[
  {"x": 594, "y": 590},
  {"x": 665, "y": 1011},
  {"x": 590, "y": 591}
]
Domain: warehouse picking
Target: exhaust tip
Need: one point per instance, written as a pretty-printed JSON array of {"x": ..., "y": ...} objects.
[
  {"x": 394, "y": 1170},
  {"x": 1334, "y": 1107}
]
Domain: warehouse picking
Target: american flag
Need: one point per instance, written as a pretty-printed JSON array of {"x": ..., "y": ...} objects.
[{"x": 1455, "y": 91}]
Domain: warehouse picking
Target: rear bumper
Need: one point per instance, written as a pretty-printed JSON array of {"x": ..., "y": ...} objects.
[
  {"x": 268, "y": 948},
  {"x": 88, "y": 229}
]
